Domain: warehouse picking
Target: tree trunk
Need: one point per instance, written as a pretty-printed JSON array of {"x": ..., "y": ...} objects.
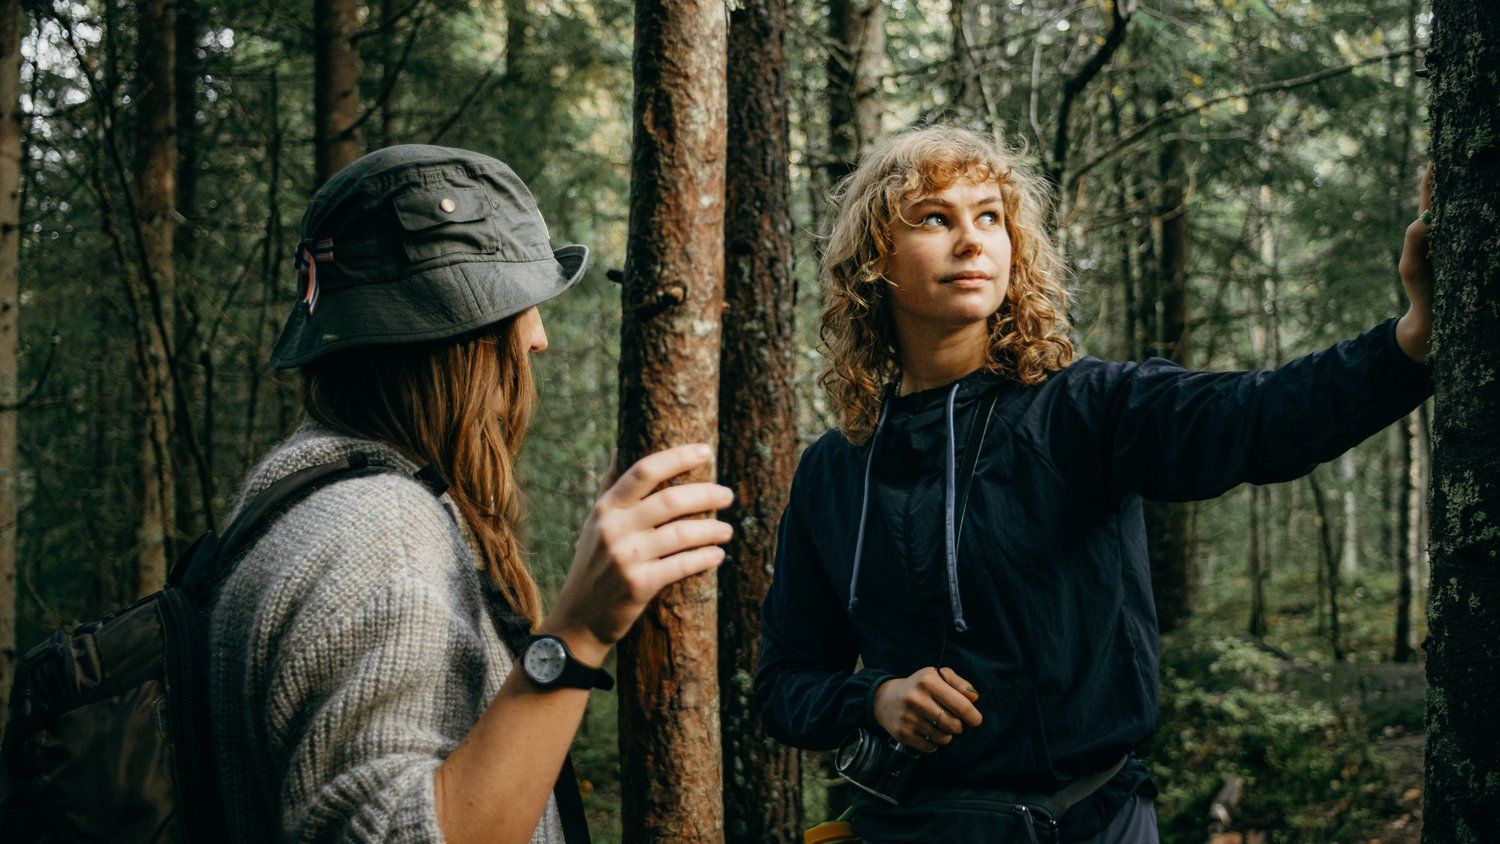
[
  {"x": 1404, "y": 544},
  {"x": 856, "y": 67},
  {"x": 1167, "y": 534},
  {"x": 1257, "y": 626},
  {"x": 156, "y": 176},
  {"x": 335, "y": 86},
  {"x": 757, "y": 413},
  {"x": 1408, "y": 520},
  {"x": 10, "y": 323},
  {"x": 965, "y": 96},
  {"x": 1390, "y": 484},
  {"x": 1463, "y": 666},
  {"x": 390, "y": 57},
  {"x": 191, "y": 470},
  {"x": 1349, "y": 550},
  {"x": 1329, "y": 563},
  {"x": 669, "y": 354}
]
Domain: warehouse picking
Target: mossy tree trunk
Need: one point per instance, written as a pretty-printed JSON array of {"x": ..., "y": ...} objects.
[
  {"x": 1463, "y": 652},
  {"x": 669, "y": 375}
]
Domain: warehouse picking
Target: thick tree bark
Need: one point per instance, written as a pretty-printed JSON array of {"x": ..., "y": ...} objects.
[
  {"x": 155, "y": 176},
  {"x": 856, "y": 66},
  {"x": 10, "y": 304},
  {"x": 1463, "y": 662},
  {"x": 1168, "y": 537},
  {"x": 336, "y": 70},
  {"x": 757, "y": 413},
  {"x": 669, "y": 355}
]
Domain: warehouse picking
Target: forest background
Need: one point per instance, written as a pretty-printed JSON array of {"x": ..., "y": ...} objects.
[{"x": 1233, "y": 180}]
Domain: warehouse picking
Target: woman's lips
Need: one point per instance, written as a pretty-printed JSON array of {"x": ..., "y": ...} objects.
[{"x": 968, "y": 278}]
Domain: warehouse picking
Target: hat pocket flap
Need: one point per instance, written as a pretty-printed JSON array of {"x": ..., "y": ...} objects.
[
  {"x": 427, "y": 207},
  {"x": 443, "y": 221}
]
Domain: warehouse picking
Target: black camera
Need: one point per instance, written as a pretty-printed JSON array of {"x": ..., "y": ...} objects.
[{"x": 877, "y": 764}]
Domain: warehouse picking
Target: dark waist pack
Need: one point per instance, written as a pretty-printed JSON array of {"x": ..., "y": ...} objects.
[
  {"x": 973, "y": 815},
  {"x": 108, "y": 736}
]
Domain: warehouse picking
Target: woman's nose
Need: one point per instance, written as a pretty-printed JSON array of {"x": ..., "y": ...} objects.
[{"x": 968, "y": 241}]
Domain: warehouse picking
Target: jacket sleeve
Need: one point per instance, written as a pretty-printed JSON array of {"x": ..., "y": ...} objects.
[
  {"x": 807, "y": 690},
  {"x": 374, "y": 675},
  {"x": 1170, "y": 434}
]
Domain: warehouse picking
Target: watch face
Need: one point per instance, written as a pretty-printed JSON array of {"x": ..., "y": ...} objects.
[{"x": 545, "y": 660}]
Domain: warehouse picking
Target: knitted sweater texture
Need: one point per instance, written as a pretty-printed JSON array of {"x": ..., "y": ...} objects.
[{"x": 351, "y": 652}]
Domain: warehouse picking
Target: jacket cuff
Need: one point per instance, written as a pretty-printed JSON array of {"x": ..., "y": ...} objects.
[
  {"x": 1397, "y": 360},
  {"x": 871, "y": 678}
]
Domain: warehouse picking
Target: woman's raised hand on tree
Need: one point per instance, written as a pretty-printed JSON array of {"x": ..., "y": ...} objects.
[
  {"x": 926, "y": 710},
  {"x": 634, "y": 543},
  {"x": 1414, "y": 330}
]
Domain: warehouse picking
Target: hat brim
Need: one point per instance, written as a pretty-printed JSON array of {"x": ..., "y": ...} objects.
[{"x": 421, "y": 307}]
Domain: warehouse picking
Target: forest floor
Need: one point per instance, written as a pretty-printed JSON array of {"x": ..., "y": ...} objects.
[
  {"x": 1407, "y": 751},
  {"x": 1391, "y": 697}
]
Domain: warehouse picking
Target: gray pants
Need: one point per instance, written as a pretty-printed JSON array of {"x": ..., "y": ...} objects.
[
  {"x": 1135, "y": 823},
  {"x": 970, "y": 817}
]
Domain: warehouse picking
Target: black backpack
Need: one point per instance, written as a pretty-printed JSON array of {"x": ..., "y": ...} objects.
[{"x": 109, "y": 733}]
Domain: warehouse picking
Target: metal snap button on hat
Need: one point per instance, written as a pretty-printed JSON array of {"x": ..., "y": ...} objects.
[{"x": 447, "y": 204}]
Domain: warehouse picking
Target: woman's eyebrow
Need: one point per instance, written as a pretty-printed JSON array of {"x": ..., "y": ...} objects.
[{"x": 943, "y": 203}]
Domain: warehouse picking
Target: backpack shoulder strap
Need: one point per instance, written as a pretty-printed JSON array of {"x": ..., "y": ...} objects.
[{"x": 200, "y": 564}]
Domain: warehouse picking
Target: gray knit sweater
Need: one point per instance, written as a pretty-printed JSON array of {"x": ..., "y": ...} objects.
[{"x": 351, "y": 652}]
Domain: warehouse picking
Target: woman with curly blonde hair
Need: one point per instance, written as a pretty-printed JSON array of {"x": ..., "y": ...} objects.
[
  {"x": 989, "y": 679},
  {"x": 1026, "y": 336}
]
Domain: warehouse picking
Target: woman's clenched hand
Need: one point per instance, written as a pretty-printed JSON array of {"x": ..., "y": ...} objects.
[{"x": 926, "y": 710}]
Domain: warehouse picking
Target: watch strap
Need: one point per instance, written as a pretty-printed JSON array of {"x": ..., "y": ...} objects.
[{"x": 576, "y": 675}]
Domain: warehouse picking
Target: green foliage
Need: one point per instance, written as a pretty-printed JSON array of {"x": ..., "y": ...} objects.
[{"x": 1307, "y": 766}]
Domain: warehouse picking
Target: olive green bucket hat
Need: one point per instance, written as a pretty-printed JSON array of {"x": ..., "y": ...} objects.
[{"x": 413, "y": 243}]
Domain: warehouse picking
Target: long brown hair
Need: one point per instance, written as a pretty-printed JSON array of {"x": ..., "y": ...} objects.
[
  {"x": 1028, "y": 334},
  {"x": 461, "y": 405}
]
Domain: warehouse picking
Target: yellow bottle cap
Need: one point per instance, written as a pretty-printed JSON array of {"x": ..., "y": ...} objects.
[{"x": 832, "y": 832}]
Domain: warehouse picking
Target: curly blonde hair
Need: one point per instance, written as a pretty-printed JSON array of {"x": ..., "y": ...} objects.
[{"x": 1028, "y": 333}]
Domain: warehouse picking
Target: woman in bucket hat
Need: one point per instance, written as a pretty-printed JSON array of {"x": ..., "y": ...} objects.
[{"x": 382, "y": 668}]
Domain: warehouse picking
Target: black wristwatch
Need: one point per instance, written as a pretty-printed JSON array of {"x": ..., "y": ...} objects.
[{"x": 550, "y": 665}]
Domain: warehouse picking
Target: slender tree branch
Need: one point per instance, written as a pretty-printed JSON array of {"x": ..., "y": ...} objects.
[
  {"x": 41, "y": 379},
  {"x": 1119, "y": 12},
  {"x": 1170, "y": 115},
  {"x": 389, "y": 84},
  {"x": 473, "y": 95}
]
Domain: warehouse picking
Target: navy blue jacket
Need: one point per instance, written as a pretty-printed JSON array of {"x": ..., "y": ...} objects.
[{"x": 1045, "y": 604}]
